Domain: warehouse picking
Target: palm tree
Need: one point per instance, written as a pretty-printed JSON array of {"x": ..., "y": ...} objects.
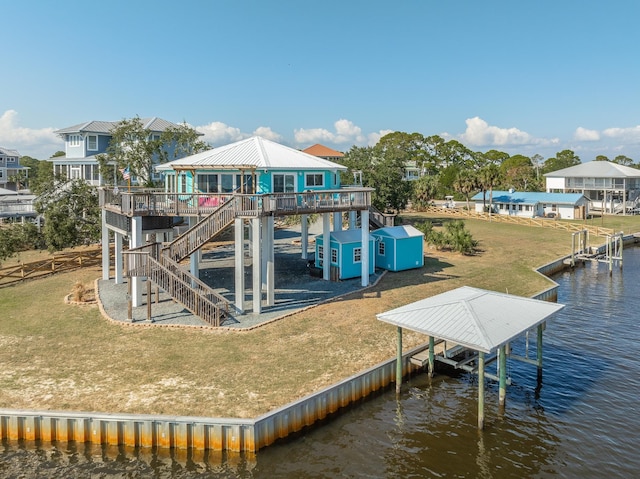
[
  {"x": 466, "y": 183},
  {"x": 489, "y": 176}
]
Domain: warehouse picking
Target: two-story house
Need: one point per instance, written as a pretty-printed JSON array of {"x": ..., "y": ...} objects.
[
  {"x": 85, "y": 141},
  {"x": 10, "y": 167}
]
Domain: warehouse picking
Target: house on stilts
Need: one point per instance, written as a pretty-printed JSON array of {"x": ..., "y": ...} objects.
[{"x": 245, "y": 185}]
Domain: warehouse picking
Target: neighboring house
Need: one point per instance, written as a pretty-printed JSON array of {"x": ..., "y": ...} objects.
[
  {"x": 344, "y": 253},
  {"x": 536, "y": 204},
  {"x": 254, "y": 165},
  {"x": 324, "y": 152},
  {"x": 9, "y": 167},
  {"x": 15, "y": 205},
  {"x": 609, "y": 187},
  {"x": 83, "y": 142},
  {"x": 399, "y": 248}
]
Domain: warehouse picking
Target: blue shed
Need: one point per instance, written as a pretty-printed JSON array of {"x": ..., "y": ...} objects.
[
  {"x": 345, "y": 253},
  {"x": 399, "y": 248}
]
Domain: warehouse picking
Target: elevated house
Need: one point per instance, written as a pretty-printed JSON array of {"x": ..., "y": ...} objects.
[
  {"x": 85, "y": 141},
  {"x": 324, "y": 152},
  {"x": 609, "y": 187},
  {"x": 245, "y": 184},
  {"x": 531, "y": 204},
  {"x": 10, "y": 167}
]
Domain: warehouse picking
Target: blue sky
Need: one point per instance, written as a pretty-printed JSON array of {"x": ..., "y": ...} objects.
[{"x": 522, "y": 77}]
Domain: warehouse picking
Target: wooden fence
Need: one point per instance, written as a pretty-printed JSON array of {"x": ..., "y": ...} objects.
[
  {"x": 519, "y": 220},
  {"x": 56, "y": 263}
]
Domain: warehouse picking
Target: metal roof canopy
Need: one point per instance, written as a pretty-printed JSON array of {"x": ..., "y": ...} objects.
[{"x": 475, "y": 318}]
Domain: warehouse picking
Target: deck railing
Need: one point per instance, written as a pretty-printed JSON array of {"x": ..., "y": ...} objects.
[{"x": 160, "y": 203}]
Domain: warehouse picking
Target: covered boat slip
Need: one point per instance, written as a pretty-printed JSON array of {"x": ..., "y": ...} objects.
[{"x": 480, "y": 324}]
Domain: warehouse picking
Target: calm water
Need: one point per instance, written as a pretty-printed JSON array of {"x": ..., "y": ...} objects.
[{"x": 583, "y": 422}]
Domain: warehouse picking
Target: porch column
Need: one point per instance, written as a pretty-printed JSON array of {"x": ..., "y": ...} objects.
[
  {"x": 480, "y": 390},
  {"x": 264, "y": 253},
  {"x": 337, "y": 221},
  {"x": 239, "y": 264},
  {"x": 257, "y": 266},
  {"x": 304, "y": 235},
  {"x": 353, "y": 219},
  {"x": 118, "y": 258},
  {"x": 364, "y": 258},
  {"x": 135, "y": 240},
  {"x": 105, "y": 247},
  {"x": 270, "y": 255},
  {"x": 326, "y": 246}
]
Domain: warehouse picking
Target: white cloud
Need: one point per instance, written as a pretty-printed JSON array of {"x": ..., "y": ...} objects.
[
  {"x": 38, "y": 143},
  {"x": 480, "y": 133},
  {"x": 630, "y": 134},
  {"x": 583, "y": 134},
  {"x": 268, "y": 133},
  {"x": 218, "y": 133},
  {"x": 346, "y": 133}
]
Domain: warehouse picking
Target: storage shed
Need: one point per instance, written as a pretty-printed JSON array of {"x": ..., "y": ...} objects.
[
  {"x": 399, "y": 247},
  {"x": 345, "y": 253}
]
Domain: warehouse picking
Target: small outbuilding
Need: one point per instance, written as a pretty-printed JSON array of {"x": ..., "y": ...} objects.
[
  {"x": 399, "y": 248},
  {"x": 345, "y": 253}
]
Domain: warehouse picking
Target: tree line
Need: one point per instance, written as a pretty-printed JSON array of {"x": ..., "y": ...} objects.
[{"x": 72, "y": 215}]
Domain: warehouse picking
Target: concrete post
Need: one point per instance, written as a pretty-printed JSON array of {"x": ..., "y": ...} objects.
[
  {"x": 326, "y": 246},
  {"x": 257, "y": 266},
  {"x": 353, "y": 219},
  {"x": 270, "y": 254},
  {"x": 364, "y": 220},
  {"x": 304, "y": 235},
  {"x": 118, "y": 258},
  {"x": 239, "y": 264},
  {"x": 105, "y": 247},
  {"x": 135, "y": 240},
  {"x": 337, "y": 221}
]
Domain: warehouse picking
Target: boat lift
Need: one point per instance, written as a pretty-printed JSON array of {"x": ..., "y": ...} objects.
[{"x": 608, "y": 253}]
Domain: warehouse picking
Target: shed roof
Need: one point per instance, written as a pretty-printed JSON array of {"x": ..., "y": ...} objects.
[
  {"x": 531, "y": 197},
  {"x": 398, "y": 232},
  {"x": 596, "y": 169},
  {"x": 475, "y": 318},
  {"x": 347, "y": 236},
  {"x": 254, "y": 152}
]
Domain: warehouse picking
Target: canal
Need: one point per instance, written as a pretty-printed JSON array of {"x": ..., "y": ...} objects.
[{"x": 582, "y": 422}]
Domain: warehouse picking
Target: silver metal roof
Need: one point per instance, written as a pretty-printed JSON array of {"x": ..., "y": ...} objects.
[
  {"x": 476, "y": 318},
  {"x": 596, "y": 169},
  {"x": 254, "y": 152},
  {"x": 8, "y": 152},
  {"x": 398, "y": 232},
  {"x": 104, "y": 127}
]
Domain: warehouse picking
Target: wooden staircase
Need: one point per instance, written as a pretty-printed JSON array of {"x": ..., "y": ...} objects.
[{"x": 160, "y": 265}]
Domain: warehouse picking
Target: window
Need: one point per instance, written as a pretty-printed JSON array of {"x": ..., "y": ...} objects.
[
  {"x": 357, "y": 255},
  {"x": 11, "y": 159},
  {"x": 320, "y": 254},
  {"x": 283, "y": 183},
  {"x": 208, "y": 183},
  {"x": 92, "y": 142},
  {"x": 74, "y": 140},
  {"x": 381, "y": 248},
  {"x": 313, "y": 179},
  {"x": 334, "y": 255}
]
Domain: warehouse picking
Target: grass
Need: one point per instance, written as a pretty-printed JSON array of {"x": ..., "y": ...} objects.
[{"x": 59, "y": 356}]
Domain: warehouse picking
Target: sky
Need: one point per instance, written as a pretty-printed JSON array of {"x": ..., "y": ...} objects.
[{"x": 524, "y": 77}]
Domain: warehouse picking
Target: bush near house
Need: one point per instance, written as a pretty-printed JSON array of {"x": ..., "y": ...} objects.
[{"x": 454, "y": 237}]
